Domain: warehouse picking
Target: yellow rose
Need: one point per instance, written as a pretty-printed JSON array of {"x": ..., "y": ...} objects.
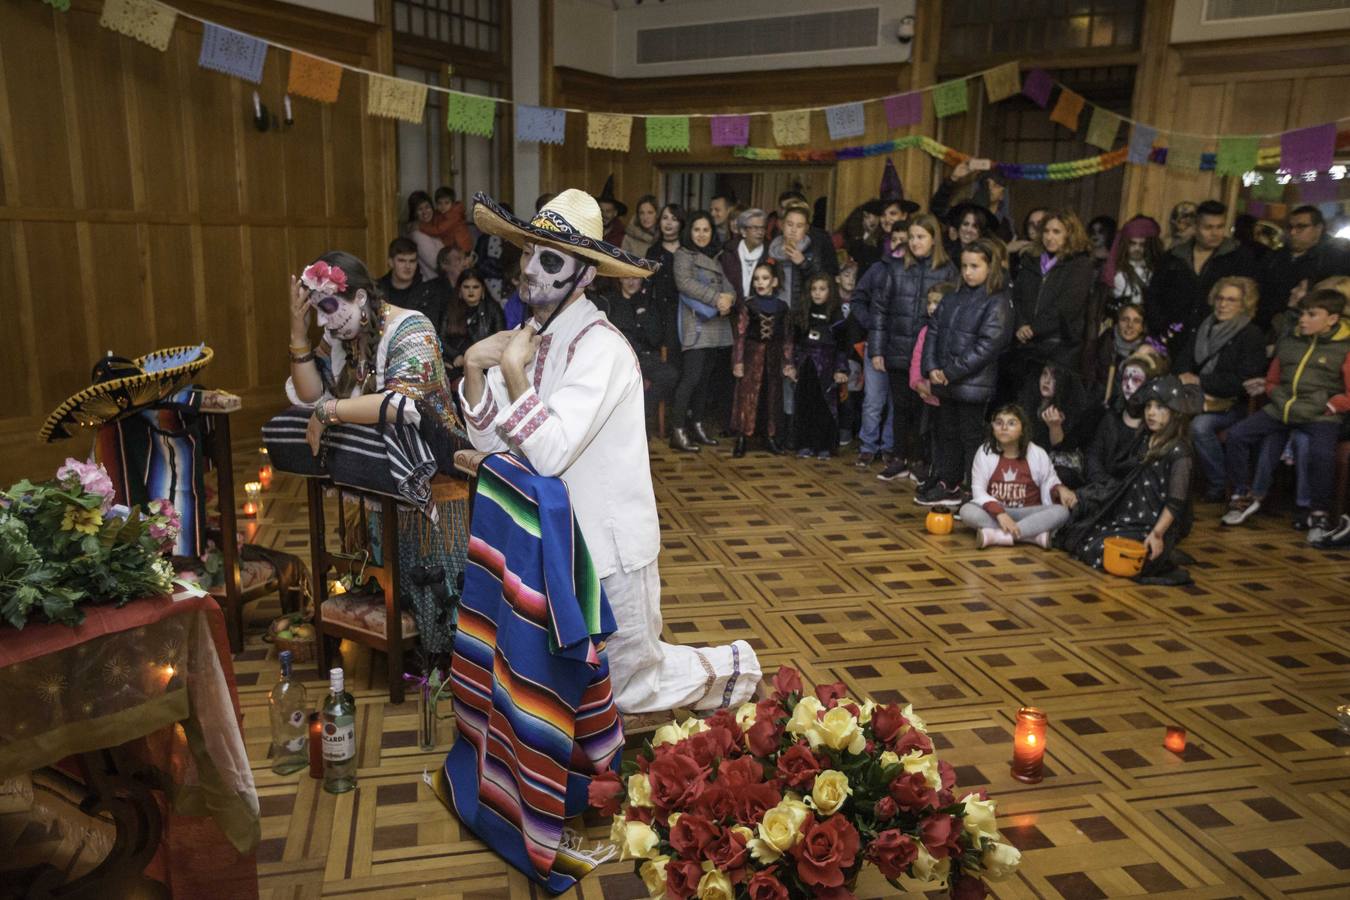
[
  {"x": 830, "y": 791},
  {"x": 908, "y": 712},
  {"x": 779, "y": 830},
  {"x": 981, "y": 819},
  {"x": 839, "y": 730},
  {"x": 639, "y": 790},
  {"x": 653, "y": 873},
  {"x": 714, "y": 885},
  {"x": 743, "y": 832},
  {"x": 667, "y": 734},
  {"x": 638, "y": 841},
  {"x": 888, "y": 758},
  {"x": 865, "y": 711},
  {"x": 674, "y": 817},
  {"x": 927, "y": 868},
  {"x": 803, "y": 719},
  {"x": 999, "y": 861},
  {"x": 927, "y": 763},
  {"x": 692, "y": 725},
  {"x": 745, "y": 716}
]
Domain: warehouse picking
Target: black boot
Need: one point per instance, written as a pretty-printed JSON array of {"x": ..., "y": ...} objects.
[
  {"x": 698, "y": 434},
  {"x": 739, "y": 450},
  {"x": 772, "y": 446},
  {"x": 679, "y": 440}
]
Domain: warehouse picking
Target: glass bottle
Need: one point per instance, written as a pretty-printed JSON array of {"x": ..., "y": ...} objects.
[
  {"x": 289, "y": 709},
  {"x": 339, "y": 736}
]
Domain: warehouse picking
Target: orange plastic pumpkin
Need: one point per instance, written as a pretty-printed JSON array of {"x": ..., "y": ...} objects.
[
  {"x": 939, "y": 521},
  {"x": 1123, "y": 557}
]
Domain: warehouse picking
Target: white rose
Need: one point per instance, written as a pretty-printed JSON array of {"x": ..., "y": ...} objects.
[
  {"x": 714, "y": 885},
  {"x": 653, "y": 873},
  {"x": 912, "y": 717},
  {"x": 745, "y": 716},
  {"x": 865, "y": 711},
  {"x": 839, "y": 730},
  {"x": 638, "y": 841},
  {"x": 980, "y": 821},
  {"x": 692, "y": 725},
  {"x": 927, "y": 763},
  {"x": 639, "y": 790},
  {"x": 999, "y": 861},
  {"x": 667, "y": 734},
  {"x": 926, "y": 867},
  {"x": 888, "y": 758},
  {"x": 803, "y": 720},
  {"x": 829, "y": 792},
  {"x": 779, "y": 830}
]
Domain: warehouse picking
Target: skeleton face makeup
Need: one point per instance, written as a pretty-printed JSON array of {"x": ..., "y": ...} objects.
[
  {"x": 549, "y": 276},
  {"x": 1131, "y": 380},
  {"x": 339, "y": 316}
]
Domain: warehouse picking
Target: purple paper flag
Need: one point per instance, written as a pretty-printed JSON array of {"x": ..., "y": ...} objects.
[
  {"x": 236, "y": 54},
  {"x": 730, "y": 131},
  {"x": 903, "y": 109},
  {"x": 1308, "y": 149},
  {"x": 845, "y": 120},
  {"x": 1256, "y": 208},
  {"x": 1037, "y": 86},
  {"x": 1141, "y": 144},
  {"x": 1323, "y": 190},
  {"x": 540, "y": 124}
]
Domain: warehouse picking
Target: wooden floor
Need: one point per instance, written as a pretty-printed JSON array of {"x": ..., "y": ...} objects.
[{"x": 820, "y": 565}]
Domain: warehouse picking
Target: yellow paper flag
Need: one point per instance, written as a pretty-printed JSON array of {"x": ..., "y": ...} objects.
[
  {"x": 791, "y": 127},
  {"x": 146, "y": 21},
  {"x": 314, "y": 78},
  {"x": 396, "y": 98},
  {"x": 1002, "y": 82},
  {"x": 1103, "y": 128},
  {"x": 608, "y": 131}
]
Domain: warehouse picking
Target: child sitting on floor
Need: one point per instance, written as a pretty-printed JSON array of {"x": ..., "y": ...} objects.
[{"x": 1015, "y": 493}]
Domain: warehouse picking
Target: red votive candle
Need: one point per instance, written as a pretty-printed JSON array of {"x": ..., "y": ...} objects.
[
  {"x": 265, "y": 476},
  {"x": 315, "y": 745},
  {"x": 1029, "y": 745},
  {"x": 1175, "y": 739}
]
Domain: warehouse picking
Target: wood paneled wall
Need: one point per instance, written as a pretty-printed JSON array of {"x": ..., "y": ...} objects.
[{"x": 139, "y": 207}]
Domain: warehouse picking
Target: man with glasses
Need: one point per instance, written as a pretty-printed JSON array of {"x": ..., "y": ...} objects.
[
  {"x": 739, "y": 260},
  {"x": 1308, "y": 256}
]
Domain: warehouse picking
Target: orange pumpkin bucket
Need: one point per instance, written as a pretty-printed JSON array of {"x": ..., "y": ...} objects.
[
  {"x": 1123, "y": 557},
  {"x": 939, "y": 521}
]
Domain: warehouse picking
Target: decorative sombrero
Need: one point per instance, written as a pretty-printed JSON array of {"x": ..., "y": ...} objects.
[
  {"x": 571, "y": 223},
  {"x": 122, "y": 386}
]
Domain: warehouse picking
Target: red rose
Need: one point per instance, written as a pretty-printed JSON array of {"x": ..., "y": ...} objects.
[
  {"x": 886, "y": 808},
  {"x": 676, "y": 781},
  {"x": 764, "y": 737},
  {"x": 940, "y": 835},
  {"x": 914, "y": 739},
  {"x": 887, "y": 722},
  {"x": 752, "y": 801},
  {"x": 787, "y": 681},
  {"x": 725, "y": 718},
  {"x": 892, "y": 852},
  {"x": 799, "y": 766},
  {"x": 605, "y": 793},
  {"x": 765, "y": 885},
  {"x": 692, "y": 834},
  {"x": 729, "y": 855},
  {"x": 682, "y": 878},
  {"x": 948, "y": 774},
  {"x": 718, "y": 802},
  {"x": 826, "y": 850},
  {"x": 642, "y": 814},
  {"x": 709, "y": 746},
  {"x": 741, "y": 770},
  {"x": 912, "y": 793},
  {"x": 829, "y": 694},
  {"x": 968, "y": 887}
]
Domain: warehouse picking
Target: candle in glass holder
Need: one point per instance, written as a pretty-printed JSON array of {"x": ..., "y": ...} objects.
[
  {"x": 1029, "y": 745},
  {"x": 1175, "y": 739},
  {"x": 315, "y": 745},
  {"x": 252, "y": 491},
  {"x": 265, "y": 469}
]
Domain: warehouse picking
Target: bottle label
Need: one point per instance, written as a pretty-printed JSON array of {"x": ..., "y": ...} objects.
[{"x": 339, "y": 738}]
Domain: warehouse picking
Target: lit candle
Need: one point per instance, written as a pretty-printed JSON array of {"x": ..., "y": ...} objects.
[
  {"x": 265, "y": 469},
  {"x": 1175, "y": 739},
  {"x": 252, "y": 490},
  {"x": 1029, "y": 745}
]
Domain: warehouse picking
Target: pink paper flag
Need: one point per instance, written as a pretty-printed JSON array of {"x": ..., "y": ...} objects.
[
  {"x": 1308, "y": 149},
  {"x": 903, "y": 109},
  {"x": 1037, "y": 86},
  {"x": 730, "y": 131}
]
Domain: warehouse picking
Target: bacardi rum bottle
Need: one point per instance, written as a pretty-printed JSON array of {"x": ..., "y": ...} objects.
[{"x": 339, "y": 737}]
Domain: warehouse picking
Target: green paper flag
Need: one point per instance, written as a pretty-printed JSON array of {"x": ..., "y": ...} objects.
[
  {"x": 1237, "y": 155},
  {"x": 949, "y": 98},
  {"x": 1103, "y": 128},
  {"x": 669, "y": 133},
  {"x": 1268, "y": 188},
  {"x": 471, "y": 115}
]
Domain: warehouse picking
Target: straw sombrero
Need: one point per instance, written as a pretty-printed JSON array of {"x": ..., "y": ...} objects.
[
  {"x": 122, "y": 386},
  {"x": 571, "y": 223}
]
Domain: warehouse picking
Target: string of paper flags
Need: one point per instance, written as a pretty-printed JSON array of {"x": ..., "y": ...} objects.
[{"x": 1302, "y": 150}]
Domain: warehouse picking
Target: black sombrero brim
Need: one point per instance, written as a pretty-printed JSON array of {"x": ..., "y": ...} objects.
[{"x": 609, "y": 260}]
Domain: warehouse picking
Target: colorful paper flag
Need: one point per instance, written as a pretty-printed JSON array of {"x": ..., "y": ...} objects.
[
  {"x": 730, "y": 131},
  {"x": 1141, "y": 144},
  {"x": 1278, "y": 211},
  {"x": 232, "y": 53},
  {"x": 668, "y": 133},
  {"x": 148, "y": 22},
  {"x": 949, "y": 98},
  {"x": 1183, "y": 151},
  {"x": 1103, "y": 128},
  {"x": 1321, "y": 190},
  {"x": 1001, "y": 82},
  {"x": 58, "y": 5},
  {"x": 1267, "y": 187},
  {"x": 540, "y": 124},
  {"x": 471, "y": 114},
  {"x": 315, "y": 78},
  {"x": 1256, "y": 208},
  {"x": 1236, "y": 155},
  {"x": 903, "y": 110},
  {"x": 1308, "y": 149},
  {"x": 1067, "y": 109},
  {"x": 1037, "y": 86},
  {"x": 396, "y": 98},
  {"x": 845, "y": 120},
  {"x": 608, "y": 131},
  {"x": 791, "y": 127}
]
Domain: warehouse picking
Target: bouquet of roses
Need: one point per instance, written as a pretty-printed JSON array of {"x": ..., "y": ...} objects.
[
  {"x": 792, "y": 796},
  {"x": 63, "y": 543}
]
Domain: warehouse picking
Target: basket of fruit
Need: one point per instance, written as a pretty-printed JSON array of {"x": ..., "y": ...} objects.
[{"x": 294, "y": 633}]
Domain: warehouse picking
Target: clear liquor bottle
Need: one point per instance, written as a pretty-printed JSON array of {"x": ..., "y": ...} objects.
[
  {"x": 289, "y": 710},
  {"x": 339, "y": 736}
]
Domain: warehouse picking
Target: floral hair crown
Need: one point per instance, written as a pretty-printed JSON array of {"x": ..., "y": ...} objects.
[{"x": 324, "y": 279}]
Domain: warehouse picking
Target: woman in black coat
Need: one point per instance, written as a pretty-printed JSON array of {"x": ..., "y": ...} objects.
[
  {"x": 1063, "y": 420},
  {"x": 471, "y": 315},
  {"x": 1225, "y": 351},
  {"x": 669, "y": 226}
]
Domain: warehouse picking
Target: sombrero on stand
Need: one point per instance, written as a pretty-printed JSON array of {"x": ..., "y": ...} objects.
[
  {"x": 122, "y": 386},
  {"x": 570, "y": 222}
]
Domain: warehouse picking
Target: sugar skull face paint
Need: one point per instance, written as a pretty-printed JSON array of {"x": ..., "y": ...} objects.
[
  {"x": 549, "y": 276},
  {"x": 1131, "y": 380}
]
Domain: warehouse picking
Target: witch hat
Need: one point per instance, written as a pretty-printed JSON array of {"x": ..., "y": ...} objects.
[
  {"x": 892, "y": 190},
  {"x": 607, "y": 195}
]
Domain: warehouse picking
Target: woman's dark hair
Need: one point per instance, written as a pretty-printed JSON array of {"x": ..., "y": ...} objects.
[
  {"x": 833, "y": 304},
  {"x": 368, "y": 339},
  {"x": 687, "y": 234},
  {"x": 650, "y": 200},
  {"x": 984, "y": 219},
  {"x": 457, "y": 311},
  {"x": 1176, "y": 431},
  {"x": 1069, "y": 397},
  {"x": 1108, "y": 226},
  {"x": 994, "y": 254},
  {"x": 1026, "y": 221},
  {"x": 416, "y": 199},
  {"x": 771, "y": 265},
  {"x": 677, "y": 211},
  {"x": 991, "y": 443}
]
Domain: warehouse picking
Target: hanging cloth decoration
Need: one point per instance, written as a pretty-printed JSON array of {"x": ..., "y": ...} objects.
[
  {"x": 1037, "y": 87},
  {"x": 471, "y": 114},
  {"x": 1103, "y": 128},
  {"x": 730, "y": 131},
  {"x": 314, "y": 78},
  {"x": 903, "y": 110},
  {"x": 1001, "y": 82},
  {"x": 791, "y": 127},
  {"x": 540, "y": 124},
  {"x": 1067, "y": 109},
  {"x": 1267, "y": 187},
  {"x": 845, "y": 120},
  {"x": 949, "y": 98},
  {"x": 608, "y": 131},
  {"x": 232, "y": 53},
  {"x": 1141, "y": 143},
  {"x": 1236, "y": 155},
  {"x": 149, "y": 22},
  {"x": 668, "y": 134},
  {"x": 1183, "y": 151},
  {"x": 396, "y": 98},
  {"x": 1308, "y": 149}
]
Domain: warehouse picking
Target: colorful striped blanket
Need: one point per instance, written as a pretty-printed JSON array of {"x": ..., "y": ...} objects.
[{"x": 529, "y": 677}]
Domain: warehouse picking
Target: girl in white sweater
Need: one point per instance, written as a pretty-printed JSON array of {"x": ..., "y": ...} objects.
[{"x": 1015, "y": 493}]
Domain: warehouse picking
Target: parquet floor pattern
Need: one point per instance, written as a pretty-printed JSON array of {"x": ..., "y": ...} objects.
[{"x": 820, "y": 565}]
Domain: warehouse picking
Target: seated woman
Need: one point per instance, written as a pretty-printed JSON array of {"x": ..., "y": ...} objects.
[
  {"x": 1114, "y": 347},
  {"x": 1225, "y": 353},
  {"x": 1152, "y": 504},
  {"x": 468, "y": 319},
  {"x": 1015, "y": 493},
  {"x": 1062, "y": 419}
]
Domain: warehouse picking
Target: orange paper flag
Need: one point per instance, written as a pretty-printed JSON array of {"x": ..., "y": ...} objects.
[
  {"x": 314, "y": 78},
  {"x": 1067, "y": 109}
]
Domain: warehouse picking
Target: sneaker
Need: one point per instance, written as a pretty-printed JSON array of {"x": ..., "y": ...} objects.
[
  {"x": 1319, "y": 527},
  {"x": 939, "y": 495},
  {"x": 864, "y": 459},
  {"x": 897, "y": 469},
  {"x": 1042, "y": 540},
  {"x": 1241, "y": 508},
  {"x": 1300, "y": 521},
  {"x": 887, "y": 457},
  {"x": 1340, "y": 537},
  {"x": 805, "y": 453},
  {"x": 993, "y": 537},
  {"x": 824, "y": 454},
  {"x": 915, "y": 477}
]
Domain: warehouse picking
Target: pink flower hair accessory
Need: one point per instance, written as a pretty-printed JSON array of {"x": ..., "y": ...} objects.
[{"x": 324, "y": 279}]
